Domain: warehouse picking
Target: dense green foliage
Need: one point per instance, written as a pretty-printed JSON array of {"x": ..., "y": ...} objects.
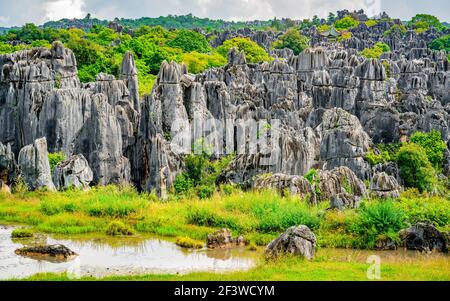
[
  {"x": 397, "y": 29},
  {"x": 253, "y": 52},
  {"x": 346, "y": 23},
  {"x": 189, "y": 41},
  {"x": 200, "y": 175},
  {"x": 433, "y": 145},
  {"x": 54, "y": 159},
  {"x": 376, "y": 51},
  {"x": 415, "y": 169},
  {"x": 118, "y": 228},
  {"x": 442, "y": 43},
  {"x": 293, "y": 40},
  {"x": 424, "y": 22},
  {"x": 22, "y": 233},
  {"x": 101, "y": 49}
]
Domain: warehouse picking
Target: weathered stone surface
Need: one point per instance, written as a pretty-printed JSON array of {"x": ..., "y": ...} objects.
[
  {"x": 73, "y": 173},
  {"x": 34, "y": 165},
  {"x": 344, "y": 200},
  {"x": 223, "y": 239},
  {"x": 344, "y": 142},
  {"x": 423, "y": 237},
  {"x": 8, "y": 167},
  {"x": 384, "y": 186},
  {"x": 297, "y": 240}
]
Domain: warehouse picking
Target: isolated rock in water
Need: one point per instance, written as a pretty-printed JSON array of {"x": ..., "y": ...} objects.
[
  {"x": 384, "y": 186},
  {"x": 73, "y": 173},
  {"x": 223, "y": 239},
  {"x": 297, "y": 240},
  {"x": 35, "y": 167},
  {"x": 8, "y": 167},
  {"x": 344, "y": 200},
  {"x": 56, "y": 251},
  {"x": 423, "y": 237}
]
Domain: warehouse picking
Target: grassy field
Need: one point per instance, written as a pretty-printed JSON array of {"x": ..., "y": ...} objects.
[
  {"x": 259, "y": 216},
  {"x": 326, "y": 266}
]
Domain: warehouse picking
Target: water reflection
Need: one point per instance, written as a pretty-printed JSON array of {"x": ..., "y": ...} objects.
[{"x": 108, "y": 256}]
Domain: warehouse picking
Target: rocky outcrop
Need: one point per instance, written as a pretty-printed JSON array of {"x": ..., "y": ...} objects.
[
  {"x": 73, "y": 173},
  {"x": 55, "y": 252},
  {"x": 35, "y": 167},
  {"x": 423, "y": 237},
  {"x": 344, "y": 200},
  {"x": 297, "y": 240},
  {"x": 384, "y": 186},
  {"x": 344, "y": 142},
  {"x": 8, "y": 167},
  {"x": 340, "y": 186},
  {"x": 223, "y": 239}
]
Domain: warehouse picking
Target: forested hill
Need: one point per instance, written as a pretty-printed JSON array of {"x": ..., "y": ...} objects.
[{"x": 169, "y": 22}]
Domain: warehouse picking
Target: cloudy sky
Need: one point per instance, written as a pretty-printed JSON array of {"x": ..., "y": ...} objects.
[{"x": 19, "y": 12}]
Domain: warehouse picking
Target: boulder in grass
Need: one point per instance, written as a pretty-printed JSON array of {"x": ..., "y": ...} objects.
[
  {"x": 297, "y": 240},
  {"x": 424, "y": 237}
]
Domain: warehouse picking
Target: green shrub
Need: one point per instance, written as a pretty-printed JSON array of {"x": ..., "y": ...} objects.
[
  {"x": 253, "y": 52},
  {"x": 311, "y": 175},
  {"x": 376, "y": 51},
  {"x": 182, "y": 184},
  {"x": 433, "y": 145},
  {"x": 54, "y": 159},
  {"x": 186, "y": 242},
  {"x": 293, "y": 40},
  {"x": 375, "y": 159},
  {"x": 22, "y": 233},
  {"x": 346, "y": 23},
  {"x": 377, "y": 219},
  {"x": 415, "y": 169},
  {"x": 205, "y": 191},
  {"x": 189, "y": 40},
  {"x": 118, "y": 228}
]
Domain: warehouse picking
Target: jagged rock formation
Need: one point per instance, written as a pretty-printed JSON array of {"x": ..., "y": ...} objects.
[
  {"x": 384, "y": 186},
  {"x": 423, "y": 237},
  {"x": 8, "y": 167},
  {"x": 73, "y": 173},
  {"x": 341, "y": 182},
  {"x": 322, "y": 109},
  {"x": 34, "y": 165},
  {"x": 297, "y": 240}
]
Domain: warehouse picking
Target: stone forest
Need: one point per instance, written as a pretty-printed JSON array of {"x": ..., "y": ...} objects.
[{"x": 198, "y": 149}]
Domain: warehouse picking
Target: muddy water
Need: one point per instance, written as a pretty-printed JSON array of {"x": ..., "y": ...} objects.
[{"x": 105, "y": 256}]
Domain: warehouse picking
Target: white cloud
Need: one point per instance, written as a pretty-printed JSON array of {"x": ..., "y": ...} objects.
[{"x": 60, "y": 9}]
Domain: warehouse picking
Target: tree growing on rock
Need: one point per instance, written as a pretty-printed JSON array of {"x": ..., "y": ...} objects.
[
  {"x": 253, "y": 52},
  {"x": 293, "y": 40}
]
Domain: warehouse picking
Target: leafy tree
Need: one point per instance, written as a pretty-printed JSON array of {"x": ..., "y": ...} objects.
[
  {"x": 199, "y": 62},
  {"x": 253, "y": 52},
  {"x": 331, "y": 18},
  {"x": 422, "y": 21},
  {"x": 346, "y": 23},
  {"x": 189, "y": 40},
  {"x": 293, "y": 40},
  {"x": 442, "y": 43},
  {"x": 415, "y": 168},
  {"x": 376, "y": 51},
  {"x": 433, "y": 145}
]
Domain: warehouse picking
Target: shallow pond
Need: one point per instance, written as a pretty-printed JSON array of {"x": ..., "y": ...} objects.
[{"x": 105, "y": 256}]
